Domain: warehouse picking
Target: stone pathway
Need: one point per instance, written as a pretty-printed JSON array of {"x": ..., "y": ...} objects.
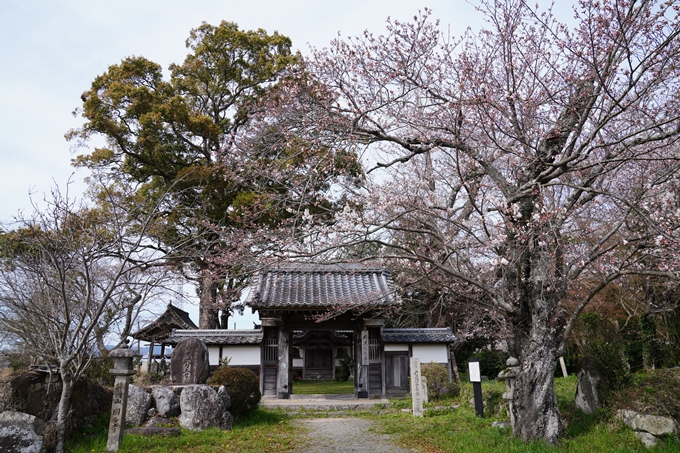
[{"x": 344, "y": 435}]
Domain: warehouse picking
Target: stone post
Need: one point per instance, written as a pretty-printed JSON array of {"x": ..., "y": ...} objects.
[
  {"x": 510, "y": 376},
  {"x": 122, "y": 370},
  {"x": 416, "y": 387},
  {"x": 426, "y": 397}
]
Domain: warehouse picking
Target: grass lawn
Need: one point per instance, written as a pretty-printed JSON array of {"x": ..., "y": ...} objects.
[
  {"x": 461, "y": 431},
  {"x": 263, "y": 431},
  {"x": 309, "y": 387},
  {"x": 441, "y": 430}
]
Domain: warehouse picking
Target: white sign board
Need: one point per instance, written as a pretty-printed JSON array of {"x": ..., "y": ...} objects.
[{"x": 475, "y": 374}]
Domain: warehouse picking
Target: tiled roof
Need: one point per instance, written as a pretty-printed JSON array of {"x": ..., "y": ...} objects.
[
  {"x": 322, "y": 286},
  {"x": 439, "y": 335},
  {"x": 218, "y": 336},
  {"x": 172, "y": 318}
]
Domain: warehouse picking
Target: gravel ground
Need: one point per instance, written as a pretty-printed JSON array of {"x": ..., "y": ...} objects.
[{"x": 340, "y": 435}]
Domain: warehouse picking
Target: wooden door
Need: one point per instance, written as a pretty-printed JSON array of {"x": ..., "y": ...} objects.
[
  {"x": 319, "y": 364},
  {"x": 396, "y": 372}
]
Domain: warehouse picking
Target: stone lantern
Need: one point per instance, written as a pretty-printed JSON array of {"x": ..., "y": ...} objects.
[
  {"x": 510, "y": 376},
  {"x": 122, "y": 370}
]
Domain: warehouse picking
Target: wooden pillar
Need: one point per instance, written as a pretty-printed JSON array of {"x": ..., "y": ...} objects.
[
  {"x": 284, "y": 377},
  {"x": 362, "y": 360},
  {"x": 150, "y": 358}
]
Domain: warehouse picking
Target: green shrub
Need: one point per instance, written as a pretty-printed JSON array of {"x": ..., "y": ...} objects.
[
  {"x": 438, "y": 381},
  {"x": 493, "y": 403},
  {"x": 344, "y": 370},
  {"x": 491, "y": 362},
  {"x": 602, "y": 342},
  {"x": 243, "y": 387},
  {"x": 655, "y": 392},
  {"x": 99, "y": 371}
]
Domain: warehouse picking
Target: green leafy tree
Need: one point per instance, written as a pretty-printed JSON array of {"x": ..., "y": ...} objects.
[{"x": 207, "y": 136}]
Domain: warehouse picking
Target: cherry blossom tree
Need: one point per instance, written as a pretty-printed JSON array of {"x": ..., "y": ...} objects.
[{"x": 519, "y": 160}]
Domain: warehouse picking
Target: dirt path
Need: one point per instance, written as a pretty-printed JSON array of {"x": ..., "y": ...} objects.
[{"x": 347, "y": 434}]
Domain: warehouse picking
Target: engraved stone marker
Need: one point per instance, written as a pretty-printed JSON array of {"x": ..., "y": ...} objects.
[
  {"x": 416, "y": 387},
  {"x": 190, "y": 362}
]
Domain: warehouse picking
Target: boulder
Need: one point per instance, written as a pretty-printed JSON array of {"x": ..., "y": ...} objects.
[
  {"x": 138, "y": 405},
  {"x": 190, "y": 362},
  {"x": 21, "y": 433},
  {"x": 652, "y": 424},
  {"x": 648, "y": 440},
  {"x": 587, "y": 398},
  {"x": 167, "y": 402},
  {"x": 157, "y": 421},
  {"x": 202, "y": 408},
  {"x": 224, "y": 394}
]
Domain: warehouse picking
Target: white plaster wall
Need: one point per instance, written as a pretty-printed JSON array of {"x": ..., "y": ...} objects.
[
  {"x": 431, "y": 353},
  {"x": 214, "y": 354},
  {"x": 396, "y": 347},
  {"x": 242, "y": 355}
]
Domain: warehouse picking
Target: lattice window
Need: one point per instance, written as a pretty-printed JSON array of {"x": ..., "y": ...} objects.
[
  {"x": 271, "y": 350},
  {"x": 374, "y": 349}
]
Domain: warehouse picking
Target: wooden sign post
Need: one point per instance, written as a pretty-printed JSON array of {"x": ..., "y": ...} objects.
[{"x": 476, "y": 379}]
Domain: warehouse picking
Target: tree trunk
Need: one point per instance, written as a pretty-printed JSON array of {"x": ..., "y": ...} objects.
[
  {"x": 207, "y": 309},
  {"x": 224, "y": 319},
  {"x": 454, "y": 368},
  {"x": 534, "y": 403},
  {"x": 62, "y": 412}
]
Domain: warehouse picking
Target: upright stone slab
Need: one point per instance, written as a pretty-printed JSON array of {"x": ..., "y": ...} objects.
[
  {"x": 190, "y": 362},
  {"x": 426, "y": 397},
  {"x": 587, "y": 398},
  {"x": 416, "y": 387}
]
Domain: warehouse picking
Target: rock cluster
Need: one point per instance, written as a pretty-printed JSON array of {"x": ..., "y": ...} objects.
[
  {"x": 198, "y": 407},
  {"x": 648, "y": 428}
]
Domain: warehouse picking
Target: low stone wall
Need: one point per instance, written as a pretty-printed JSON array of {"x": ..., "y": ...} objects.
[{"x": 34, "y": 393}]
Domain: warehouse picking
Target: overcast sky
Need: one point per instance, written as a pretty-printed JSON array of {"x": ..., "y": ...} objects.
[{"x": 51, "y": 50}]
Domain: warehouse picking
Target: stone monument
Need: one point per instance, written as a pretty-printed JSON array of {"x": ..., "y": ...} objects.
[{"x": 190, "y": 362}]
